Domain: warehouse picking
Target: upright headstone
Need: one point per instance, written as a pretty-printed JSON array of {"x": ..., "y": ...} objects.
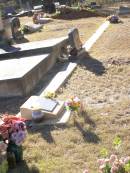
[
  {"x": 74, "y": 39},
  {"x": 124, "y": 10}
]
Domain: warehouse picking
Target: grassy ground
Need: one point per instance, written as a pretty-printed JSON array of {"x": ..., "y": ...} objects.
[{"x": 102, "y": 81}]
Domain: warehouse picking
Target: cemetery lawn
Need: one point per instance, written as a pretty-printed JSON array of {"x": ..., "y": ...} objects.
[
  {"x": 60, "y": 28},
  {"x": 102, "y": 79}
]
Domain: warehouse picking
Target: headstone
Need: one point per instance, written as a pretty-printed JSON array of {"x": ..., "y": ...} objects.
[
  {"x": 124, "y": 10},
  {"x": 74, "y": 39},
  {"x": 50, "y": 108},
  {"x": 30, "y": 28}
]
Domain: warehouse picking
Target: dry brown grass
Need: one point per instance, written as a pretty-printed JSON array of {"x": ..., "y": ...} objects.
[
  {"x": 105, "y": 85},
  {"x": 59, "y": 28}
]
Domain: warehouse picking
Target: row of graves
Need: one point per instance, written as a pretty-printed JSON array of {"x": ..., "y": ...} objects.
[{"x": 26, "y": 64}]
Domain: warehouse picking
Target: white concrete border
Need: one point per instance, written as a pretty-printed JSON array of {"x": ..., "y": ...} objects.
[{"x": 96, "y": 36}]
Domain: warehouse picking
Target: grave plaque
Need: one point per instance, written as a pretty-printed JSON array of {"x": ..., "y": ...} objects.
[
  {"x": 74, "y": 39},
  {"x": 46, "y": 104}
]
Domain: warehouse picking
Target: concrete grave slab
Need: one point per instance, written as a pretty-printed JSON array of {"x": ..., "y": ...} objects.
[
  {"x": 27, "y": 108},
  {"x": 61, "y": 120},
  {"x": 32, "y": 48},
  {"x": 19, "y": 76}
]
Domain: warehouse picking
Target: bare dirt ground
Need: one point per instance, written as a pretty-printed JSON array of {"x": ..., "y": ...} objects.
[
  {"x": 60, "y": 28},
  {"x": 108, "y": 61},
  {"x": 102, "y": 80}
]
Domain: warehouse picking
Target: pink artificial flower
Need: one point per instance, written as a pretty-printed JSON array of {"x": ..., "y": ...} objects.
[
  {"x": 107, "y": 161},
  {"x": 3, "y": 146},
  {"x": 122, "y": 159},
  {"x": 116, "y": 163},
  {"x": 114, "y": 169},
  {"x": 101, "y": 162},
  {"x": 68, "y": 102},
  {"x": 86, "y": 171},
  {"x": 76, "y": 99},
  {"x": 102, "y": 167},
  {"x": 121, "y": 162},
  {"x": 126, "y": 160},
  {"x": 113, "y": 158}
]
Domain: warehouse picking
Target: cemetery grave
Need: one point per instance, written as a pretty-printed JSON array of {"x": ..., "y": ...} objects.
[
  {"x": 98, "y": 79},
  {"x": 28, "y": 48}
]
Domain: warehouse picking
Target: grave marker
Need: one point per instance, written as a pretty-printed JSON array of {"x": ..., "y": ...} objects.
[
  {"x": 124, "y": 10},
  {"x": 74, "y": 39},
  {"x": 50, "y": 108}
]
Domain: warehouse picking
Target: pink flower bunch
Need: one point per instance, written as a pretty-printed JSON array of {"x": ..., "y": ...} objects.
[
  {"x": 86, "y": 171},
  {"x": 113, "y": 164},
  {"x": 3, "y": 146},
  {"x": 13, "y": 129}
]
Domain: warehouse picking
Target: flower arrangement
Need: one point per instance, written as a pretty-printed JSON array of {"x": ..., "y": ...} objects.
[
  {"x": 12, "y": 135},
  {"x": 113, "y": 163},
  {"x": 13, "y": 129},
  {"x": 50, "y": 94},
  {"x": 73, "y": 104}
]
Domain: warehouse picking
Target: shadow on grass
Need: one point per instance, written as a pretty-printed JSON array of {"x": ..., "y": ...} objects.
[
  {"x": 46, "y": 131},
  {"x": 22, "y": 40},
  {"x": 93, "y": 65},
  {"x": 23, "y": 168},
  {"x": 87, "y": 119},
  {"x": 88, "y": 135}
]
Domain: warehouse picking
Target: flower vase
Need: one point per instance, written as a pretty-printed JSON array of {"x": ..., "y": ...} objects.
[
  {"x": 11, "y": 160},
  {"x": 17, "y": 150}
]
